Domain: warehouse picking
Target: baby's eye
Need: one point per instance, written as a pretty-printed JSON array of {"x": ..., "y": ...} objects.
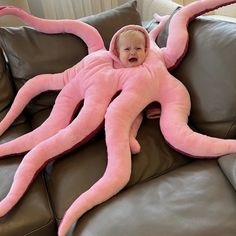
[
  {"x": 138, "y": 48},
  {"x": 126, "y": 49}
]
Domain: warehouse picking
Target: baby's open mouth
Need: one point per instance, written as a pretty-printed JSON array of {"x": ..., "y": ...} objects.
[{"x": 133, "y": 59}]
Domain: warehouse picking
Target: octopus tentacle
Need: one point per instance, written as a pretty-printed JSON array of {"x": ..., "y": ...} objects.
[
  {"x": 178, "y": 33},
  {"x": 173, "y": 122},
  {"x": 30, "y": 89},
  {"x": 86, "y": 32},
  {"x": 80, "y": 128},
  {"x": 134, "y": 144},
  {"x": 34, "y": 87},
  {"x": 61, "y": 114},
  {"x": 119, "y": 118},
  {"x": 155, "y": 32}
]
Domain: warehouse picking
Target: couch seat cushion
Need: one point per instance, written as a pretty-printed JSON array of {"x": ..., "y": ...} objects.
[
  {"x": 70, "y": 176},
  {"x": 33, "y": 214},
  {"x": 194, "y": 200}
]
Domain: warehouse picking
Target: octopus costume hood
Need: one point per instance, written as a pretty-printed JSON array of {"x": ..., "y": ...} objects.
[
  {"x": 97, "y": 80},
  {"x": 113, "y": 50}
]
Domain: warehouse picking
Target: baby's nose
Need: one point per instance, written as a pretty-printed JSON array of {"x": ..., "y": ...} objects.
[{"x": 133, "y": 51}]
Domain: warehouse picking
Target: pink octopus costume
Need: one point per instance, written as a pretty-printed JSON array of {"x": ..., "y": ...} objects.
[{"x": 96, "y": 80}]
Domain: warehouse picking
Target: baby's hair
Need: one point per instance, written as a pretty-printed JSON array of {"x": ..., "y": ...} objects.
[{"x": 129, "y": 32}]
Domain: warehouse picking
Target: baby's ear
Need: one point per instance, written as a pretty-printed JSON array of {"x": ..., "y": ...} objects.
[{"x": 116, "y": 51}]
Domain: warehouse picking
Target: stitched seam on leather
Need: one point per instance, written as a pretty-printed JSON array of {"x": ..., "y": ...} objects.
[
  {"x": 50, "y": 207},
  {"x": 230, "y": 128},
  {"x": 35, "y": 230}
]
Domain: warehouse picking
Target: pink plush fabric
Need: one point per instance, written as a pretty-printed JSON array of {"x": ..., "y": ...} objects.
[{"x": 96, "y": 79}]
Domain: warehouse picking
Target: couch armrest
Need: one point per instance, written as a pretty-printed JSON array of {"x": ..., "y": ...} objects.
[
  {"x": 223, "y": 18},
  {"x": 228, "y": 165},
  {"x": 162, "y": 7}
]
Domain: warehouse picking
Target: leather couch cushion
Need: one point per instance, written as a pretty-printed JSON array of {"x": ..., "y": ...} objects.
[
  {"x": 6, "y": 87},
  {"x": 193, "y": 200},
  {"x": 70, "y": 176},
  {"x": 208, "y": 71},
  {"x": 20, "y": 125},
  {"x": 33, "y": 214},
  {"x": 228, "y": 166}
]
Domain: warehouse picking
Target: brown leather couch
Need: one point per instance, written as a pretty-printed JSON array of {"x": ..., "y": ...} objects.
[{"x": 168, "y": 194}]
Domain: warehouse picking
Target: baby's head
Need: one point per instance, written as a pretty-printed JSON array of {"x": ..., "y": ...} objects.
[{"x": 131, "y": 48}]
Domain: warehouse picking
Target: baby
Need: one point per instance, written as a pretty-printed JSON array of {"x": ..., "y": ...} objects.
[{"x": 131, "y": 48}]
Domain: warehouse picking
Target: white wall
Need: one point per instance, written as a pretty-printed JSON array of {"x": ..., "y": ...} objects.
[
  {"x": 74, "y": 9},
  {"x": 56, "y": 9},
  {"x": 225, "y": 11},
  {"x": 11, "y": 20}
]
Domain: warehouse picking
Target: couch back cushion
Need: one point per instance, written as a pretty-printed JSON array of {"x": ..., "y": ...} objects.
[
  {"x": 6, "y": 88},
  {"x": 30, "y": 52},
  {"x": 209, "y": 73},
  {"x": 20, "y": 125}
]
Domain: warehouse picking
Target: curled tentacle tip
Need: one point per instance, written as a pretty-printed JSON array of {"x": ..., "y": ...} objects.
[
  {"x": 134, "y": 152},
  {"x": 157, "y": 17},
  {"x": 5, "y": 206},
  {"x": 3, "y": 211},
  {"x": 6, "y": 7},
  {"x": 134, "y": 146}
]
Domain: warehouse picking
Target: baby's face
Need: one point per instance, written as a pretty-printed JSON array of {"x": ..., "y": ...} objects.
[{"x": 131, "y": 49}]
